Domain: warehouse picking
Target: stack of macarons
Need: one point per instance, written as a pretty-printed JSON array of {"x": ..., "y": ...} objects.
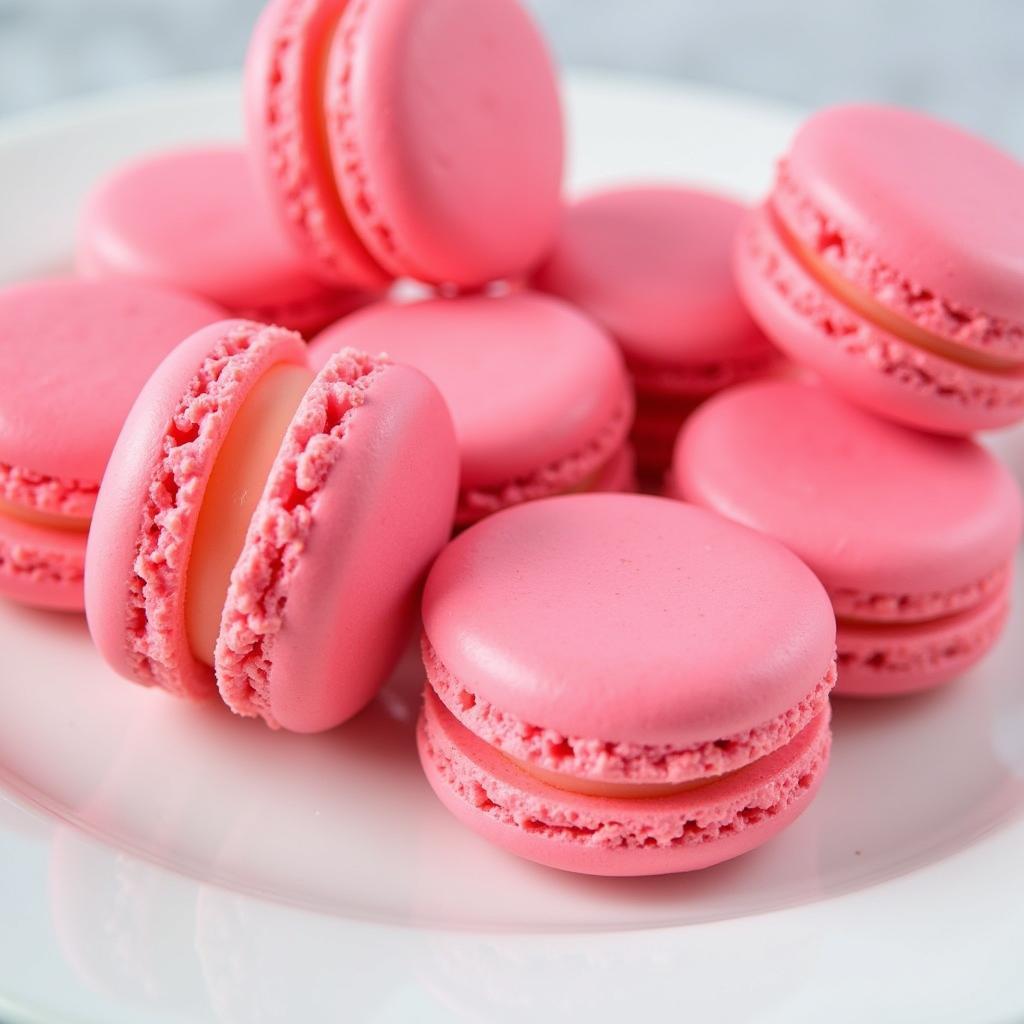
[
  {"x": 236, "y": 442},
  {"x": 889, "y": 261}
]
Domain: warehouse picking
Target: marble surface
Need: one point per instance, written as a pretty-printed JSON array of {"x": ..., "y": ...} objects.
[{"x": 959, "y": 59}]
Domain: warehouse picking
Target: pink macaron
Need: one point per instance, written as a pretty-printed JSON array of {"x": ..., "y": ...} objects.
[
  {"x": 538, "y": 392},
  {"x": 654, "y": 267},
  {"x": 889, "y": 258},
  {"x": 623, "y": 684},
  {"x": 195, "y": 219},
  {"x": 264, "y": 530},
  {"x": 73, "y": 356},
  {"x": 913, "y": 534},
  {"x": 407, "y": 138}
]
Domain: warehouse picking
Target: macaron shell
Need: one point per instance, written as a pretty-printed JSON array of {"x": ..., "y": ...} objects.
[
  {"x": 529, "y": 380},
  {"x": 285, "y": 122},
  {"x": 871, "y": 506},
  {"x": 654, "y": 267},
  {"x": 446, "y": 135},
  {"x": 892, "y": 660},
  {"x": 554, "y": 610},
  {"x": 195, "y": 219},
  {"x": 325, "y": 593},
  {"x": 875, "y": 369},
  {"x": 74, "y": 356},
  {"x": 41, "y": 567},
  {"x": 943, "y": 207},
  {"x": 134, "y": 600},
  {"x": 616, "y": 836}
]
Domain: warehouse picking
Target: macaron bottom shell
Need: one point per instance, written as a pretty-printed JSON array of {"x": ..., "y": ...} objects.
[
  {"x": 618, "y": 836},
  {"x": 882, "y": 371},
  {"x": 878, "y": 659}
]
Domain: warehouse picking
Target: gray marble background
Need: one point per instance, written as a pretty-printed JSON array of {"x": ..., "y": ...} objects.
[{"x": 960, "y": 58}]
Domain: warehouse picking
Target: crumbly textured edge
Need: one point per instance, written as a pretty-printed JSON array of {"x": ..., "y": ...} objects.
[
  {"x": 612, "y": 761},
  {"x": 635, "y": 824},
  {"x": 302, "y": 200},
  {"x": 555, "y": 478},
  {"x": 881, "y": 607},
  {"x": 888, "y": 355},
  {"x": 364, "y": 210},
  {"x": 174, "y": 496},
  {"x": 38, "y": 565},
  {"x": 257, "y": 599},
  {"x": 42, "y": 493},
  {"x": 856, "y": 264},
  {"x": 890, "y": 654}
]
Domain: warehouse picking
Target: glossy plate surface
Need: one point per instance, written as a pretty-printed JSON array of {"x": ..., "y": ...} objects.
[{"x": 168, "y": 863}]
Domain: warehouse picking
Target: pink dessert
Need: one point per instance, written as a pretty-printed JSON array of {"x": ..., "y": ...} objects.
[
  {"x": 407, "y": 138},
  {"x": 264, "y": 530},
  {"x": 538, "y": 392},
  {"x": 195, "y": 219},
  {"x": 914, "y": 535},
  {"x": 592, "y": 702},
  {"x": 73, "y": 356},
  {"x": 654, "y": 267},
  {"x": 889, "y": 258}
]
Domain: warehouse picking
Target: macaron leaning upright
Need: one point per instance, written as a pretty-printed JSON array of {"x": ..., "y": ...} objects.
[
  {"x": 407, "y": 138},
  {"x": 889, "y": 258},
  {"x": 195, "y": 219},
  {"x": 538, "y": 392},
  {"x": 913, "y": 534},
  {"x": 623, "y": 684},
  {"x": 73, "y": 356},
  {"x": 653, "y": 266},
  {"x": 263, "y": 530}
]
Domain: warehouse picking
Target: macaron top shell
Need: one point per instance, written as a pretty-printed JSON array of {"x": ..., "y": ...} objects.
[
  {"x": 74, "y": 356},
  {"x": 654, "y": 266},
  {"x": 446, "y": 136},
  {"x": 628, "y": 618},
  {"x": 871, "y": 506},
  {"x": 195, "y": 219},
  {"x": 941, "y": 210},
  {"x": 528, "y": 379}
]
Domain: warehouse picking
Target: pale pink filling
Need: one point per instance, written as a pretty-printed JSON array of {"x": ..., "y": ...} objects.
[
  {"x": 880, "y": 607},
  {"x": 560, "y": 477},
  {"x": 611, "y": 761},
  {"x": 49, "y": 494},
  {"x": 937, "y": 314},
  {"x": 634, "y": 823},
  {"x": 256, "y": 602},
  {"x": 913, "y": 368}
]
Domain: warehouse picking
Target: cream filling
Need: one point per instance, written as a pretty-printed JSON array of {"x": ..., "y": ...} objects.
[
  {"x": 629, "y": 790},
  {"x": 234, "y": 489},
  {"x": 36, "y": 517},
  {"x": 881, "y": 316}
]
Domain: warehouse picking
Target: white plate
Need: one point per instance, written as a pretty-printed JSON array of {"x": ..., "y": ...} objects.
[{"x": 167, "y": 863}]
